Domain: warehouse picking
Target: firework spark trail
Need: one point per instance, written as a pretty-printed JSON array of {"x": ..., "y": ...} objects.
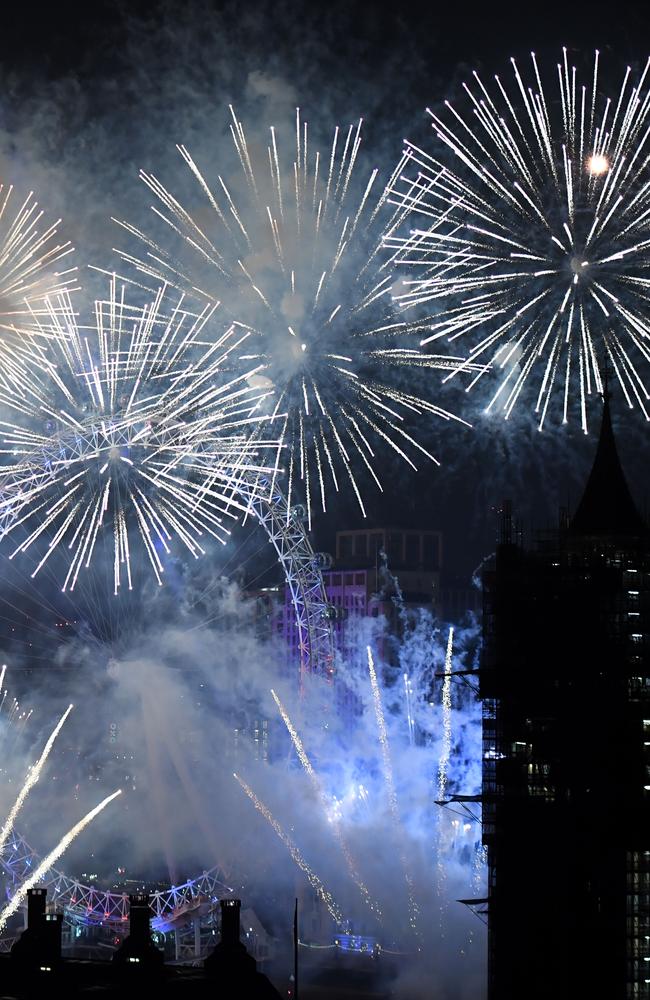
[
  {"x": 293, "y": 252},
  {"x": 531, "y": 236},
  {"x": 479, "y": 866},
  {"x": 390, "y": 788},
  {"x": 52, "y": 858},
  {"x": 326, "y": 806},
  {"x": 28, "y": 260},
  {"x": 32, "y": 777},
  {"x": 443, "y": 769},
  {"x": 314, "y": 880},
  {"x": 445, "y": 754},
  {"x": 142, "y": 428},
  {"x": 408, "y": 691}
]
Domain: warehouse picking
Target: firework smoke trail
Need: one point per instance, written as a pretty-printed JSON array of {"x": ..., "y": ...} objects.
[
  {"x": 294, "y": 255},
  {"x": 533, "y": 235},
  {"x": 334, "y": 820},
  {"x": 390, "y": 787},
  {"x": 443, "y": 768},
  {"x": 314, "y": 880},
  {"x": 52, "y": 858},
  {"x": 32, "y": 777},
  {"x": 142, "y": 429},
  {"x": 28, "y": 257},
  {"x": 2, "y": 675}
]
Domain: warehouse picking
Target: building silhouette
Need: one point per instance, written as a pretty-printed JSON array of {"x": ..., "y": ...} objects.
[
  {"x": 566, "y": 778},
  {"x": 35, "y": 967}
]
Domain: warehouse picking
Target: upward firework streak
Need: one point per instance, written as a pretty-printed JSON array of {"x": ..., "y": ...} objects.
[
  {"x": 390, "y": 784},
  {"x": 443, "y": 768},
  {"x": 28, "y": 256},
  {"x": 320, "y": 793},
  {"x": 294, "y": 256},
  {"x": 535, "y": 243},
  {"x": 32, "y": 778},
  {"x": 314, "y": 880},
  {"x": 133, "y": 422},
  {"x": 52, "y": 858},
  {"x": 443, "y": 763}
]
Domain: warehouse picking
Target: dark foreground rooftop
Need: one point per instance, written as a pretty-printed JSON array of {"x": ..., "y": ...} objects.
[{"x": 35, "y": 968}]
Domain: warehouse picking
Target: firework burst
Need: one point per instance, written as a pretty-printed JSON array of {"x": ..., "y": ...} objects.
[
  {"x": 31, "y": 260},
  {"x": 534, "y": 245},
  {"x": 290, "y": 248},
  {"x": 129, "y": 423}
]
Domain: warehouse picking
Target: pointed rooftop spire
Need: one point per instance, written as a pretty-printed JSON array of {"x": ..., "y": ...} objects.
[{"x": 607, "y": 507}]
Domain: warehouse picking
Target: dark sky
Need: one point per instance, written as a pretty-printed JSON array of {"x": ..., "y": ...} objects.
[
  {"x": 66, "y": 38},
  {"x": 91, "y": 94}
]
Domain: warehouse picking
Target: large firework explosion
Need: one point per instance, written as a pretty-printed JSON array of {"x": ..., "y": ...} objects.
[
  {"x": 127, "y": 426},
  {"x": 290, "y": 247},
  {"x": 533, "y": 234}
]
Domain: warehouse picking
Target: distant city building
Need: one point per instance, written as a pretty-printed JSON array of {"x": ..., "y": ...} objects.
[{"x": 565, "y": 679}]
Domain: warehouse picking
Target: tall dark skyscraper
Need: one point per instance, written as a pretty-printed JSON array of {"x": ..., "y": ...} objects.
[{"x": 565, "y": 680}]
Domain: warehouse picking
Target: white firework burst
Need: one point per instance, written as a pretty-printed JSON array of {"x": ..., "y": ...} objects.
[
  {"x": 290, "y": 248},
  {"x": 530, "y": 234},
  {"x": 129, "y": 426}
]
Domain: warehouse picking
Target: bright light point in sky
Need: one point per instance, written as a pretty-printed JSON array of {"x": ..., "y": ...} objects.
[
  {"x": 597, "y": 164},
  {"x": 303, "y": 347}
]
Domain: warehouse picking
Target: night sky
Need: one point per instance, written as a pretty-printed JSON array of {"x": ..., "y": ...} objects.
[{"x": 91, "y": 97}]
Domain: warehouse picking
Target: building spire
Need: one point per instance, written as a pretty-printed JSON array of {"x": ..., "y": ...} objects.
[{"x": 607, "y": 507}]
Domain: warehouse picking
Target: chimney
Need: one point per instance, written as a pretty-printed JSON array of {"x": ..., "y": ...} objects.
[
  {"x": 51, "y": 934},
  {"x": 230, "y": 910},
  {"x": 139, "y": 919},
  {"x": 230, "y": 963},
  {"x": 40, "y": 944},
  {"x": 36, "y": 899},
  {"x": 138, "y": 951}
]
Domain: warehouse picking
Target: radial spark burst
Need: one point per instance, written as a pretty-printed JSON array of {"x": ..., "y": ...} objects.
[
  {"x": 127, "y": 428},
  {"x": 33, "y": 263},
  {"x": 534, "y": 240},
  {"x": 290, "y": 248}
]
